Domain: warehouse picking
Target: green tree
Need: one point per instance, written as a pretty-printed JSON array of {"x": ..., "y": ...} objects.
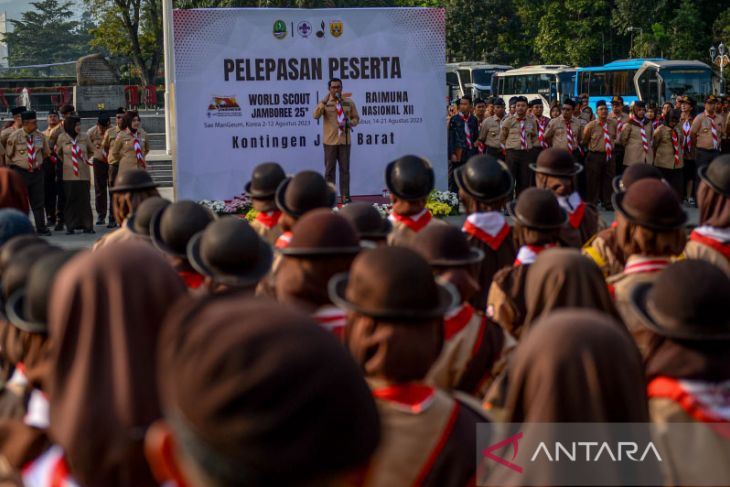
[
  {"x": 47, "y": 34},
  {"x": 689, "y": 34}
]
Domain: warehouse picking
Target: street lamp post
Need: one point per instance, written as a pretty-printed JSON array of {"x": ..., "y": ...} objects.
[
  {"x": 718, "y": 57},
  {"x": 632, "y": 30}
]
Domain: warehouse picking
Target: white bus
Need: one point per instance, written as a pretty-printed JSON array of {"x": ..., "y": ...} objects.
[
  {"x": 471, "y": 78},
  {"x": 546, "y": 82}
]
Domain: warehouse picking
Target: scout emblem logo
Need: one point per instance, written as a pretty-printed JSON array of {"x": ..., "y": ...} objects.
[
  {"x": 224, "y": 106},
  {"x": 304, "y": 28},
  {"x": 336, "y": 28},
  {"x": 280, "y": 29}
]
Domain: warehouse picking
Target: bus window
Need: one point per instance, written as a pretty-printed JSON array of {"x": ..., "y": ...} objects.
[
  {"x": 452, "y": 84},
  {"x": 597, "y": 85},
  {"x": 649, "y": 86},
  {"x": 543, "y": 85},
  {"x": 622, "y": 83},
  {"x": 566, "y": 83},
  {"x": 465, "y": 76},
  {"x": 696, "y": 83}
]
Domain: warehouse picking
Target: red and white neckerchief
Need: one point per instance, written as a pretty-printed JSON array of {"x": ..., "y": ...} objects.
[
  {"x": 340, "y": 118},
  {"x": 644, "y": 138},
  {"x": 490, "y": 227},
  {"x": 541, "y": 124},
  {"x": 414, "y": 222},
  {"x": 706, "y": 402},
  {"x": 409, "y": 398},
  {"x": 456, "y": 320},
  {"x": 283, "y": 241},
  {"x": 19, "y": 378},
  {"x": 192, "y": 279},
  {"x": 75, "y": 156},
  {"x": 643, "y": 265},
  {"x": 619, "y": 125},
  {"x": 528, "y": 253},
  {"x": 332, "y": 319},
  {"x": 717, "y": 239},
  {"x": 713, "y": 131},
  {"x": 48, "y": 470},
  {"x": 523, "y": 134},
  {"x": 686, "y": 132},
  {"x": 656, "y": 123},
  {"x": 569, "y": 136},
  {"x": 675, "y": 146},
  {"x": 467, "y": 131},
  {"x": 575, "y": 207},
  {"x": 269, "y": 219},
  {"x": 607, "y": 143},
  {"x": 37, "y": 415},
  {"x": 138, "y": 151},
  {"x": 31, "y": 152}
]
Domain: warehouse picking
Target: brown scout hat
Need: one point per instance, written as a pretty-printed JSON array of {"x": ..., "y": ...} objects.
[
  {"x": 688, "y": 301},
  {"x": 133, "y": 180},
  {"x": 634, "y": 173},
  {"x": 651, "y": 204},
  {"x": 717, "y": 174},
  {"x": 260, "y": 394},
  {"x": 305, "y": 191},
  {"x": 410, "y": 177},
  {"x": 15, "y": 275},
  {"x": 266, "y": 177},
  {"x": 484, "y": 178},
  {"x": 446, "y": 246},
  {"x": 537, "y": 209},
  {"x": 230, "y": 252},
  {"x": 139, "y": 221},
  {"x": 392, "y": 283},
  {"x": 556, "y": 162},
  {"x": 368, "y": 222},
  {"x": 321, "y": 232},
  {"x": 172, "y": 228}
]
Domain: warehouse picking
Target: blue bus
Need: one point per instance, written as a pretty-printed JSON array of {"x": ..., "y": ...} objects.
[{"x": 649, "y": 79}]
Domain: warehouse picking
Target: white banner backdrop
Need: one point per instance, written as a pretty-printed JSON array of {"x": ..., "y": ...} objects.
[{"x": 248, "y": 80}]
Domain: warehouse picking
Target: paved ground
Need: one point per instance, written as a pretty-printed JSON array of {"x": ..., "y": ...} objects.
[{"x": 82, "y": 240}]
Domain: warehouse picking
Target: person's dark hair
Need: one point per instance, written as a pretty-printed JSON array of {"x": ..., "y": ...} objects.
[
  {"x": 66, "y": 109},
  {"x": 103, "y": 120},
  {"x": 465, "y": 97},
  {"x": 334, "y": 80},
  {"x": 128, "y": 118},
  {"x": 479, "y": 101},
  {"x": 69, "y": 125}
]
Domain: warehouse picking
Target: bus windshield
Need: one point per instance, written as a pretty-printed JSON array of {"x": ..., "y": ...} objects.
[
  {"x": 482, "y": 77},
  {"x": 567, "y": 81},
  {"x": 693, "y": 82}
]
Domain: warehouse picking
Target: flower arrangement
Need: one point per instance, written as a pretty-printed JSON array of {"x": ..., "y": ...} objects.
[
  {"x": 443, "y": 203},
  {"x": 239, "y": 205}
]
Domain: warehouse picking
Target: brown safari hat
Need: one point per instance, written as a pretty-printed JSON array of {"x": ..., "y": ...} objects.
[
  {"x": 266, "y": 177},
  {"x": 172, "y": 228},
  {"x": 537, "y": 209},
  {"x": 367, "y": 221},
  {"x": 634, "y": 173},
  {"x": 305, "y": 191},
  {"x": 717, "y": 174},
  {"x": 688, "y": 301},
  {"x": 652, "y": 204},
  {"x": 392, "y": 283},
  {"x": 139, "y": 221},
  {"x": 409, "y": 178},
  {"x": 322, "y": 232},
  {"x": 485, "y": 179},
  {"x": 133, "y": 180},
  {"x": 556, "y": 162},
  {"x": 446, "y": 246}
]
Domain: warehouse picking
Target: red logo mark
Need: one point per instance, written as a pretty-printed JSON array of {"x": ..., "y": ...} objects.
[{"x": 512, "y": 440}]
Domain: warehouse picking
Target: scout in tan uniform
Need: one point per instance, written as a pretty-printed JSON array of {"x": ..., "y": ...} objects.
[
  {"x": 668, "y": 152},
  {"x": 485, "y": 187},
  {"x": 685, "y": 311},
  {"x": 261, "y": 189},
  {"x": 688, "y": 148},
  {"x": 603, "y": 248},
  {"x": 707, "y": 129},
  {"x": 74, "y": 148},
  {"x": 409, "y": 179},
  {"x": 101, "y": 169},
  {"x": 475, "y": 347},
  {"x": 565, "y": 132},
  {"x": 636, "y": 137},
  {"x": 131, "y": 145},
  {"x": 711, "y": 240},
  {"x": 106, "y": 147},
  {"x": 519, "y": 136},
  {"x": 490, "y": 131},
  {"x": 17, "y": 123},
  {"x": 617, "y": 105},
  {"x": 395, "y": 336},
  {"x": 536, "y": 110},
  {"x": 650, "y": 230},
  {"x": 337, "y": 135},
  {"x": 26, "y": 148},
  {"x": 53, "y": 174},
  {"x": 600, "y": 136},
  {"x": 556, "y": 170},
  {"x": 538, "y": 219}
]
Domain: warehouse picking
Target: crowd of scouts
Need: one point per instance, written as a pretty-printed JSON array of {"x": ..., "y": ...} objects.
[
  {"x": 326, "y": 346},
  {"x": 57, "y": 165}
]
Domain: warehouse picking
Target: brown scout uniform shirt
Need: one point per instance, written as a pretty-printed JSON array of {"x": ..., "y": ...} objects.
[
  {"x": 604, "y": 251},
  {"x": 506, "y": 302},
  {"x": 624, "y": 120},
  {"x": 630, "y": 137},
  {"x": 510, "y": 136},
  {"x": 52, "y": 134},
  {"x": 5, "y": 133},
  {"x": 593, "y": 135},
  {"x": 331, "y": 129},
  {"x": 123, "y": 152},
  {"x": 17, "y": 149},
  {"x": 63, "y": 150},
  {"x": 688, "y": 154},
  {"x": 556, "y": 133},
  {"x": 702, "y": 131},
  {"x": 106, "y": 144},
  {"x": 664, "y": 148},
  {"x": 697, "y": 250},
  {"x": 97, "y": 139},
  {"x": 489, "y": 132}
]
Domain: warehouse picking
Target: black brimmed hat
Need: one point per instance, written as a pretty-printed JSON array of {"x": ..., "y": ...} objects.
[
  {"x": 172, "y": 228},
  {"x": 320, "y": 233},
  {"x": 18, "y": 110},
  {"x": 305, "y": 191},
  {"x": 28, "y": 115},
  {"x": 368, "y": 222},
  {"x": 139, "y": 221},
  {"x": 409, "y": 178},
  {"x": 556, "y": 162},
  {"x": 446, "y": 246},
  {"x": 133, "y": 180},
  {"x": 485, "y": 179},
  {"x": 652, "y": 204},
  {"x": 266, "y": 177},
  {"x": 537, "y": 209}
]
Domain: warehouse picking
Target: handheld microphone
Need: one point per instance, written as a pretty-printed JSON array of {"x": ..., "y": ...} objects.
[{"x": 338, "y": 95}]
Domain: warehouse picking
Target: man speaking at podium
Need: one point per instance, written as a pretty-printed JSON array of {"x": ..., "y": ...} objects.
[{"x": 340, "y": 115}]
